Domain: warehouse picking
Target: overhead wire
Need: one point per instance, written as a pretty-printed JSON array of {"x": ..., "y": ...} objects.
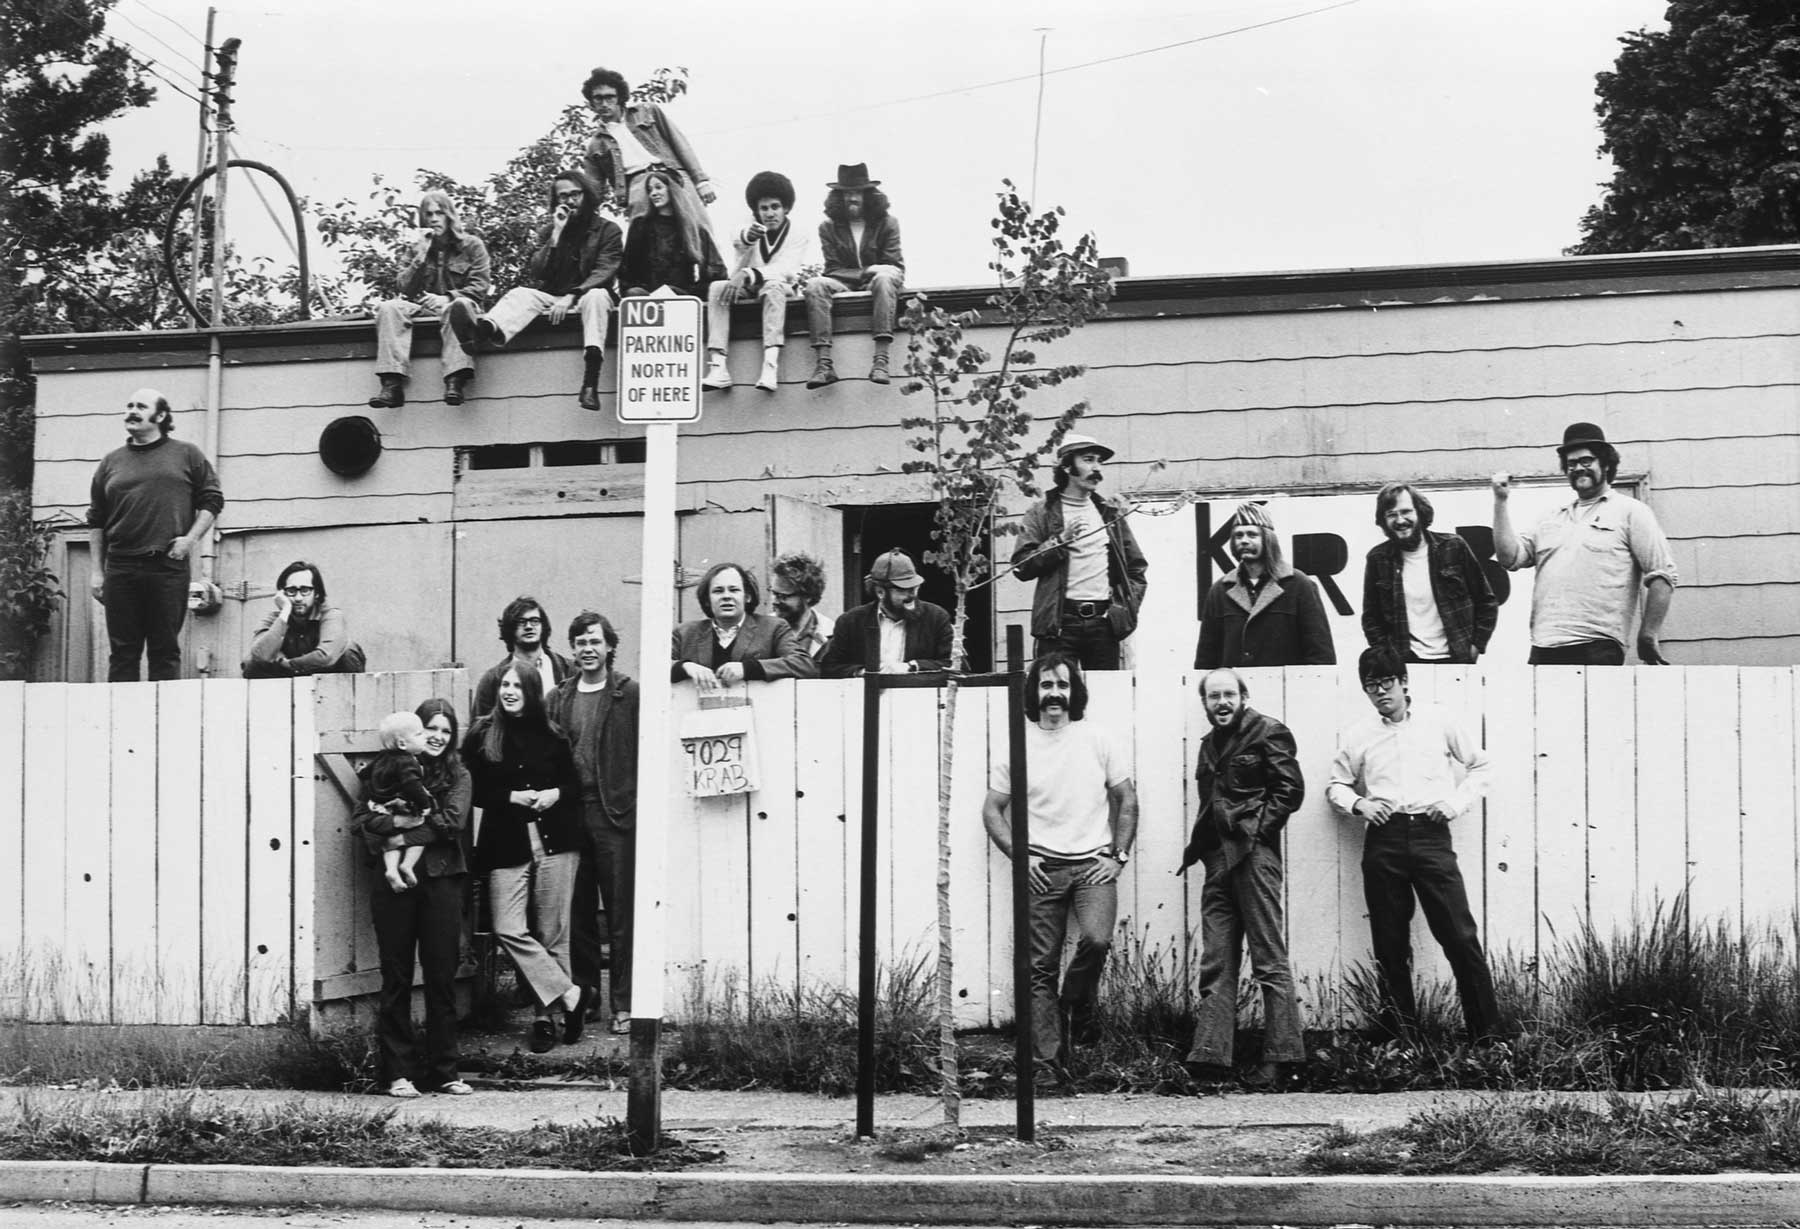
[
  {"x": 150, "y": 65},
  {"x": 197, "y": 39},
  {"x": 198, "y": 67}
]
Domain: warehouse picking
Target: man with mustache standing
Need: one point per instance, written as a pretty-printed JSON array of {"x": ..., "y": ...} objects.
[
  {"x": 1591, "y": 557},
  {"x": 1398, "y": 772},
  {"x": 1083, "y": 814},
  {"x": 1248, "y": 784},
  {"x": 1262, "y": 613},
  {"x": 151, "y": 502},
  {"x": 1424, "y": 593},
  {"x": 1089, "y": 570},
  {"x": 897, "y": 633}
]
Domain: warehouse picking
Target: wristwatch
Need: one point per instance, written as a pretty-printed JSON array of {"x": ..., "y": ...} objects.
[{"x": 1120, "y": 856}]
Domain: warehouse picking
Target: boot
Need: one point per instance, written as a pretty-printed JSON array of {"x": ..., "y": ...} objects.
[
  {"x": 767, "y": 381},
  {"x": 461, "y": 315},
  {"x": 455, "y": 383},
  {"x": 823, "y": 372},
  {"x": 392, "y": 394},
  {"x": 878, "y": 370},
  {"x": 718, "y": 377},
  {"x": 589, "y": 396},
  {"x": 487, "y": 332}
]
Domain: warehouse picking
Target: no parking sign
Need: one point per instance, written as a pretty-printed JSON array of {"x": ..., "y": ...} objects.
[{"x": 659, "y": 359}]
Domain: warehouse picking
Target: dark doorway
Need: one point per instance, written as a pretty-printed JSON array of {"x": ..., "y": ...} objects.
[{"x": 871, "y": 529}]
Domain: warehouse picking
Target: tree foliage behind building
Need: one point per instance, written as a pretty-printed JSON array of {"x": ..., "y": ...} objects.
[{"x": 1703, "y": 125}]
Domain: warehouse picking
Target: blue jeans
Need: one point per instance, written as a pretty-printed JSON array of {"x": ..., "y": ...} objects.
[
  {"x": 883, "y": 282},
  {"x": 1586, "y": 653},
  {"x": 1241, "y": 904},
  {"x": 1095, "y": 908},
  {"x": 1088, "y": 639},
  {"x": 146, "y": 603}
]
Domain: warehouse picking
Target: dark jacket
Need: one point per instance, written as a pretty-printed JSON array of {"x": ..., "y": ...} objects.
[
  {"x": 849, "y": 263},
  {"x": 765, "y": 644},
  {"x": 1284, "y": 626},
  {"x": 462, "y": 272},
  {"x": 1465, "y": 601},
  {"x": 1125, "y": 563},
  {"x": 602, "y": 247},
  {"x": 444, "y": 829},
  {"x": 534, "y": 759},
  {"x": 642, "y": 269},
  {"x": 1248, "y": 784},
  {"x": 487, "y": 688},
  {"x": 856, "y": 641},
  {"x": 614, "y": 744}
]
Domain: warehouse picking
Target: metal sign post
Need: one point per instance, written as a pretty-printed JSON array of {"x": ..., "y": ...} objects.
[{"x": 659, "y": 386}]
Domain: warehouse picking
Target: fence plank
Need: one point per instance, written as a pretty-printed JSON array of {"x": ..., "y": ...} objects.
[
  {"x": 301, "y": 809},
  {"x": 1560, "y": 719},
  {"x": 724, "y": 888},
  {"x": 687, "y": 846},
  {"x": 968, "y": 861},
  {"x": 86, "y": 990},
  {"x": 179, "y": 964},
  {"x": 46, "y": 878},
  {"x": 1766, "y": 755},
  {"x": 999, "y": 874},
  {"x": 911, "y": 746},
  {"x": 1327, "y": 922},
  {"x": 1459, "y": 692},
  {"x": 1162, "y": 767},
  {"x": 269, "y": 852},
  {"x": 774, "y": 851},
  {"x": 12, "y": 848},
  {"x": 1611, "y": 760},
  {"x": 822, "y": 818},
  {"x": 1715, "y": 847},
  {"x": 1511, "y": 862},
  {"x": 132, "y": 909},
  {"x": 334, "y": 852},
  {"x": 1661, "y": 787},
  {"x": 224, "y": 821}
]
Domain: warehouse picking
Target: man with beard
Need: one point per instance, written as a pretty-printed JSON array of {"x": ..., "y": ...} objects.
[
  {"x": 1089, "y": 570},
  {"x": 525, "y": 630},
  {"x": 897, "y": 633},
  {"x": 796, "y": 586},
  {"x": 305, "y": 633},
  {"x": 1083, "y": 812},
  {"x": 771, "y": 255},
  {"x": 574, "y": 260},
  {"x": 150, "y": 502},
  {"x": 446, "y": 274},
  {"x": 1262, "y": 613},
  {"x": 1424, "y": 593},
  {"x": 598, "y": 711},
  {"x": 859, "y": 241},
  {"x": 1248, "y": 785},
  {"x": 1591, "y": 557},
  {"x": 1397, "y": 772}
]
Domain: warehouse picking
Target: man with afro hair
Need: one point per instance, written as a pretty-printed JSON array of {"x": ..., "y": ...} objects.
[{"x": 772, "y": 255}]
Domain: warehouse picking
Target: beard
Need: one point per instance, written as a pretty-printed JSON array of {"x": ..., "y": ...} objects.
[{"x": 1407, "y": 540}]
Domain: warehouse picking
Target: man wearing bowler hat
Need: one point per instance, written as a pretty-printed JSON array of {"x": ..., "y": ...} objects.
[
  {"x": 1088, "y": 568},
  {"x": 860, "y": 243},
  {"x": 1592, "y": 557},
  {"x": 897, "y": 633}
]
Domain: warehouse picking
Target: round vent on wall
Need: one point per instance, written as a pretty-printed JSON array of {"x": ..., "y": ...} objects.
[{"x": 349, "y": 446}]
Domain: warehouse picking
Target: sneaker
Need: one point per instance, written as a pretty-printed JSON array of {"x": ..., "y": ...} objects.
[
  {"x": 455, "y": 1088},
  {"x": 402, "y": 1088},
  {"x": 768, "y": 380},
  {"x": 717, "y": 378}
]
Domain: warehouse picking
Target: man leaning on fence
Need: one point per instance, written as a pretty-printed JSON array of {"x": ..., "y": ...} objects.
[
  {"x": 1248, "y": 783},
  {"x": 897, "y": 633},
  {"x": 1424, "y": 593},
  {"x": 1083, "y": 812}
]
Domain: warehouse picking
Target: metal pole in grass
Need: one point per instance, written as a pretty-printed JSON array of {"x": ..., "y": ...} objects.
[
  {"x": 1026, "y": 1098},
  {"x": 865, "y": 983}
]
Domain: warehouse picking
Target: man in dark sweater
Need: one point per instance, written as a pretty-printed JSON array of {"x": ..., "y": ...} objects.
[{"x": 151, "y": 503}]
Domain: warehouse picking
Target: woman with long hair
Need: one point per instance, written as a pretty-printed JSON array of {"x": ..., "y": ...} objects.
[
  {"x": 424, "y": 922},
  {"x": 671, "y": 245},
  {"x": 530, "y": 843}
]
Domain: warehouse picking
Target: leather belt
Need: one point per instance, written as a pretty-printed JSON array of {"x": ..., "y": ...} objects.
[{"x": 1085, "y": 610}]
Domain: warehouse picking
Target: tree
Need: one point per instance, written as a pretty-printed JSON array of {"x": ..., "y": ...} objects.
[
  {"x": 1703, "y": 125},
  {"x": 975, "y": 453}
]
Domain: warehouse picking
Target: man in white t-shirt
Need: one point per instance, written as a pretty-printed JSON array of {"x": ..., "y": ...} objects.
[
  {"x": 1425, "y": 594},
  {"x": 1082, "y": 811}
]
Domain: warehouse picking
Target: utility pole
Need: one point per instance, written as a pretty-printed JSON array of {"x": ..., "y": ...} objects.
[
  {"x": 223, "y": 79},
  {"x": 200, "y": 165}
]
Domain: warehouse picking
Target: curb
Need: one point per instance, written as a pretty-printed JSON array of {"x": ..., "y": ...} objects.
[{"x": 1737, "y": 1199}]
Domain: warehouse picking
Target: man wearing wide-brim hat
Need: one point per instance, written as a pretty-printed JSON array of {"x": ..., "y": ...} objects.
[
  {"x": 860, "y": 243},
  {"x": 1088, "y": 568},
  {"x": 1592, "y": 559},
  {"x": 897, "y": 633}
]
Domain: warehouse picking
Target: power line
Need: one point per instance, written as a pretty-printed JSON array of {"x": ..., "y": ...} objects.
[
  {"x": 149, "y": 64},
  {"x": 197, "y": 39},
  {"x": 198, "y": 67}
]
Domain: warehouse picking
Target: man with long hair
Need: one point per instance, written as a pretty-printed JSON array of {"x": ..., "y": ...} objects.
[
  {"x": 445, "y": 273},
  {"x": 1424, "y": 593},
  {"x": 1083, "y": 813},
  {"x": 572, "y": 268},
  {"x": 1263, "y": 612},
  {"x": 860, "y": 243},
  {"x": 525, "y": 630}
]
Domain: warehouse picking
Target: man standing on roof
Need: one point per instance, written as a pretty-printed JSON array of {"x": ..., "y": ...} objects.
[
  {"x": 635, "y": 137},
  {"x": 1088, "y": 568}
]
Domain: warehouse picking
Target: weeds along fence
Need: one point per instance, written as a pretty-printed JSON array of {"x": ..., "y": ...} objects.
[{"x": 179, "y": 853}]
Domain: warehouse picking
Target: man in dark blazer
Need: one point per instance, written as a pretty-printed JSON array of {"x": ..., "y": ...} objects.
[{"x": 897, "y": 633}]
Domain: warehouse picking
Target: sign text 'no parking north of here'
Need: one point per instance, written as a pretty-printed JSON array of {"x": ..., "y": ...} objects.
[{"x": 659, "y": 359}]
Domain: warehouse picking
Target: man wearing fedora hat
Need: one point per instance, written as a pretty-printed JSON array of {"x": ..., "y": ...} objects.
[
  {"x": 1088, "y": 568},
  {"x": 1592, "y": 557},
  {"x": 860, "y": 242},
  {"x": 771, "y": 256},
  {"x": 897, "y": 633}
]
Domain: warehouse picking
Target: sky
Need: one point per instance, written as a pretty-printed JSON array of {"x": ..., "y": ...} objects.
[{"x": 1338, "y": 134}]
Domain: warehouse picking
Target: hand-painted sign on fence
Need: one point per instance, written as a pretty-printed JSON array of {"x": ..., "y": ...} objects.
[{"x": 720, "y": 744}]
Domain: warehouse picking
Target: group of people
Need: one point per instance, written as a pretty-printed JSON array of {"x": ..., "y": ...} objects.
[{"x": 638, "y": 166}]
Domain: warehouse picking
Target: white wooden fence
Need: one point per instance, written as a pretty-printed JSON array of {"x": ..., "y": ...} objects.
[{"x": 174, "y": 853}]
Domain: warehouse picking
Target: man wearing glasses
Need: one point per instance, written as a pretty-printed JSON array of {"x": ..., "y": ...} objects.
[
  {"x": 1406, "y": 773},
  {"x": 525, "y": 629},
  {"x": 1591, "y": 557},
  {"x": 633, "y": 138},
  {"x": 304, "y": 634}
]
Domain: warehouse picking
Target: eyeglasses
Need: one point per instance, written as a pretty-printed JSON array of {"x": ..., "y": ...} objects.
[
  {"x": 609, "y": 96},
  {"x": 574, "y": 195},
  {"x": 1376, "y": 686},
  {"x": 1581, "y": 462},
  {"x": 298, "y": 591},
  {"x": 530, "y": 620}
]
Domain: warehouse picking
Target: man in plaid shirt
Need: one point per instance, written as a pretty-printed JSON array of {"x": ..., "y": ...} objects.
[{"x": 1424, "y": 593}]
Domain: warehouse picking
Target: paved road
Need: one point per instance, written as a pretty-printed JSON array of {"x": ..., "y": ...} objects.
[{"x": 96, "y": 1216}]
